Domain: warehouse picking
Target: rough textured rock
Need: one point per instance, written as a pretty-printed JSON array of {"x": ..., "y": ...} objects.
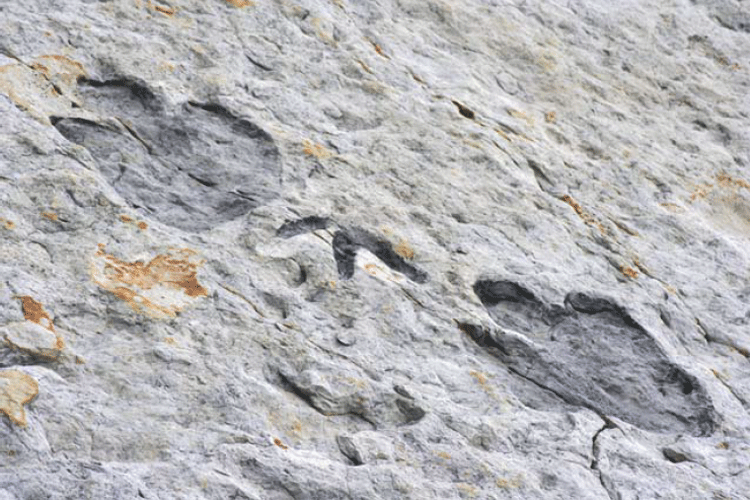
[{"x": 405, "y": 249}]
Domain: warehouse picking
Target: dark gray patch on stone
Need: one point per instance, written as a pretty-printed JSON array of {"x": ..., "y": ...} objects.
[
  {"x": 593, "y": 354},
  {"x": 192, "y": 167},
  {"x": 300, "y": 226},
  {"x": 346, "y": 242}
]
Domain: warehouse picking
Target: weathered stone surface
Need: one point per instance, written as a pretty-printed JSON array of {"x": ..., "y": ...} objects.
[
  {"x": 16, "y": 389},
  {"x": 399, "y": 250}
]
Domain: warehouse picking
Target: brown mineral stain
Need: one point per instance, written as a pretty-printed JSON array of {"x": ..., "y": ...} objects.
[
  {"x": 727, "y": 181},
  {"x": 371, "y": 269},
  {"x": 16, "y": 389},
  {"x": 129, "y": 220},
  {"x": 629, "y": 272},
  {"x": 379, "y": 50},
  {"x": 550, "y": 117},
  {"x": 61, "y": 68},
  {"x": 404, "y": 250},
  {"x": 316, "y": 150},
  {"x": 162, "y": 287},
  {"x": 280, "y": 444},
  {"x": 479, "y": 377},
  {"x": 50, "y": 215},
  {"x": 585, "y": 216},
  {"x": 521, "y": 116},
  {"x": 514, "y": 482},
  {"x": 7, "y": 224},
  {"x": 177, "y": 273},
  {"x": 168, "y": 11},
  {"x": 34, "y": 311},
  {"x": 240, "y": 3}
]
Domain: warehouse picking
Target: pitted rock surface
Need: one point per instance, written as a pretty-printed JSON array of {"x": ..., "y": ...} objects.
[{"x": 404, "y": 249}]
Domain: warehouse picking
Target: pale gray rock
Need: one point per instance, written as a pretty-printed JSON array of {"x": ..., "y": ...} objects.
[{"x": 374, "y": 250}]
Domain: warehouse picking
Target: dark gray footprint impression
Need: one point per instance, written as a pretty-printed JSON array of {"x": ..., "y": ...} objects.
[
  {"x": 592, "y": 353},
  {"x": 192, "y": 167},
  {"x": 345, "y": 244}
]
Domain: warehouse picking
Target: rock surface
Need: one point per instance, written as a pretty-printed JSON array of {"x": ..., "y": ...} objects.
[{"x": 344, "y": 249}]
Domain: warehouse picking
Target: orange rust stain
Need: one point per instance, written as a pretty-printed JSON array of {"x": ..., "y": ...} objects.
[
  {"x": 404, "y": 250},
  {"x": 379, "y": 49},
  {"x": 240, "y": 3},
  {"x": 316, "y": 150},
  {"x": 372, "y": 269},
  {"x": 149, "y": 287},
  {"x": 168, "y": 11},
  {"x": 16, "y": 389},
  {"x": 50, "y": 215},
  {"x": 585, "y": 216},
  {"x": 280, "y": 444},
  {"x": 575, "y": 206},
  {"x": 7, "y": 224},
  {"x": 701, "y": 192},
  {"x": 34, "y": 311},
  {"x": 723, "y": 180},
  {"x": 727, "y": 181},
  {"x": 479, "y": 377},
  {"x": 129, "y": 220},
  {"x": 550, "y": 117},
  {"x": 63, "y": 67},
  {"x": 629, "y": 272},
  {"x": 177, "y": 273}
]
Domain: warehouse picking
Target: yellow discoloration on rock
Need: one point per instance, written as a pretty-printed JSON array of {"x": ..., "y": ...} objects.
[
  {"x": 7, "y": 223},
  {"x": 62, "y": 69},
  {"x": 43, "y": 87},
  {"x": 316, "y": 150},
  {"x": 16, "y": 389},
  {"x": 240, "y": 4},
  {"x": 404, "y": 250},
  {"x": 521, "y": 116},
  {"x": 514, "y": 482},
  {"x": 160, "y": 288}
]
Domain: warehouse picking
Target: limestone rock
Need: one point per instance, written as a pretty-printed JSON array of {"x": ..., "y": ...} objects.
[
  {"x": 405, "y": 249},
  {"x": 16, "y": 389}
]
